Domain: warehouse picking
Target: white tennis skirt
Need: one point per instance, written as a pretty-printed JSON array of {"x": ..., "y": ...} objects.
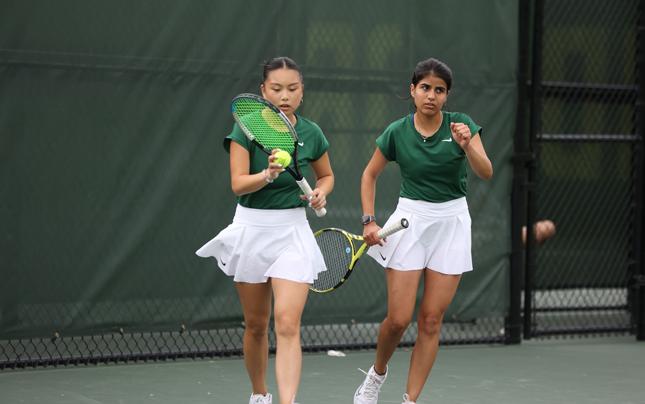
[
  {"x": 267, "y": 243},
  {"x": 439, "y": 238}
]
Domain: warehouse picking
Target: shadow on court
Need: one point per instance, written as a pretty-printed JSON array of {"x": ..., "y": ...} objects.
[{"x": 576, "y": 371}]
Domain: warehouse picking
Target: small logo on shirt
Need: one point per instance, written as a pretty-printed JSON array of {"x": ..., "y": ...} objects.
[
  {"x": 301, "y": 144},
  {"x": 382, "y": 257},
  {"x": 222, "y": 262},
  {"x": 447, "y": 140}
]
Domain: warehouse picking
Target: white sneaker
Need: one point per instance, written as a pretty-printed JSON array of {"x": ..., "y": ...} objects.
[
  {"x": 406, "y": 399},
  {"x": 367, "y": 392},
  {"x": 260, "y": 399}
]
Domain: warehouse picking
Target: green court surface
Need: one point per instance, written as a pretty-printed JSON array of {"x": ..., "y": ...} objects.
[{"x": 575, "y": 371}]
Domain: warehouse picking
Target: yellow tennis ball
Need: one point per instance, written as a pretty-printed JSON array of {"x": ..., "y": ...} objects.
[{"x": 283, "y": 158}]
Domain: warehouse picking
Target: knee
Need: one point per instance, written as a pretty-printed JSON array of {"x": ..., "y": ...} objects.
[
  {"x": 257, "y": 328},
  {"x": 287, "y": 326},
  {"x": 397, "y": 325},
  {"x": 430, "y": 323}
]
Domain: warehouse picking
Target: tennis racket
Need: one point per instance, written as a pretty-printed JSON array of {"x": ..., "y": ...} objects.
[
  {"x": 269, "y": 128},
  {"x": 340, "y": 254}
]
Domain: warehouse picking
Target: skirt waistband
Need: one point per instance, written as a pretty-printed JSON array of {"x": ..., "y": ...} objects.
[
  {"x": 269, "y": 217},
  {"x": 434, "y": 209}
]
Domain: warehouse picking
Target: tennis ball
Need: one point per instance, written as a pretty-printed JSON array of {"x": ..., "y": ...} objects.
[{"x": 283, "y": 158}]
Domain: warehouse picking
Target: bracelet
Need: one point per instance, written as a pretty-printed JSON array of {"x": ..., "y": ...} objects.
[{"x": 267, "y": 178}]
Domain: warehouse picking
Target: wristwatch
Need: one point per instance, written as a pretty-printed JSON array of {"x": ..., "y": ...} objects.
[{"x": 367, "y": 219}]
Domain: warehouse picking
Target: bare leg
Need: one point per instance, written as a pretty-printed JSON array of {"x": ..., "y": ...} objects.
[
  {"x": 438, "y": 291},
  {"x": 290, "y": 298},
  {"x": 256, "y": 305},
  {"x": 401, "y": 298}
]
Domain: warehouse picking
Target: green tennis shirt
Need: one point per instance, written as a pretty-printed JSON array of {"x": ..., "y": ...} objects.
[
  {"x": 283, "y": 193},
  {"x": 432, "y": 169}
]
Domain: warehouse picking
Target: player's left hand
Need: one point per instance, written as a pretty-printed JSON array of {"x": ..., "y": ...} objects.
[
  {"x": 461, "y": 134},
  {"x": 318, "y": 199}
]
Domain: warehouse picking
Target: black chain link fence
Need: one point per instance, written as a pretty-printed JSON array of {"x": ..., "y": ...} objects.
[{"x": 585, "y": 174}]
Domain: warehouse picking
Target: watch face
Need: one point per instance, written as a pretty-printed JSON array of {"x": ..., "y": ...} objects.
[{"x": 367, "y": 219}]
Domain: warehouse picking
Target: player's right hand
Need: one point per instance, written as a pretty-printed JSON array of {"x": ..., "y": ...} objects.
[
  {"x": 370, "y": 235},
  {"x": 273, "y": 169}
]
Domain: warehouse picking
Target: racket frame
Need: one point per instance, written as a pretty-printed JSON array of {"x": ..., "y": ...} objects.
[
  {"x": 295, "y": 171},
  {"x": 358, "y": 253}
]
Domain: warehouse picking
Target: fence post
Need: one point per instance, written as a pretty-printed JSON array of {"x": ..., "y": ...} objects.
[
  {"x": 521, "y": 157},
  {"x": 639, "y": 247},
  {"x": 534, "y": 130}
]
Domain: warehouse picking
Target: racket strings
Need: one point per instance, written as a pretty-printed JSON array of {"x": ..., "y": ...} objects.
[
  {"x": 267, "y": 126},
  {"x": 336, "y": 249}
]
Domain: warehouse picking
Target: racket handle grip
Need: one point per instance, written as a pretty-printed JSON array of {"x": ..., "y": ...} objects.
[
  {"x": 393, "y": 228},
  {"x": 304, "y": 186}
]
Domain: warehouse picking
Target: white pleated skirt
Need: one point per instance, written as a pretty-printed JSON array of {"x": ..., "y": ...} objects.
[
  {"x": 438, "y": 238},
  {"x": 267, "y": 243}
]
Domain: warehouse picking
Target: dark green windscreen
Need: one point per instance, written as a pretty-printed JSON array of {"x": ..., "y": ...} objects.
[{"x": 112, "y": 170}]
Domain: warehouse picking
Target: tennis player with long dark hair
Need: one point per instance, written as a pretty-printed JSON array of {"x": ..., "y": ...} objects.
[
  {"x": 269, "y": 249},
  {"x": 432, "y": 148}
]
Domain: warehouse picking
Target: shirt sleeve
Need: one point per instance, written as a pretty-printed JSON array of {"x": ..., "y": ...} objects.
[
  {"x": 236, "y": 136},
  {"x": 322, "y": 144},
  {"x": 474, "y": 128},
  {"x": 385, "y": 143}
]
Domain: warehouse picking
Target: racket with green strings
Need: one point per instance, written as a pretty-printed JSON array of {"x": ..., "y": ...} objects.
[
  {"x": 268, "y": 128},
  {"x": 341, "y": 255}
]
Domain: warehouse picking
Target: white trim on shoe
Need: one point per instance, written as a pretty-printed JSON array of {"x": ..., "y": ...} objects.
[
  {"x": 261, "y": 398},
  {"x": 368, "y": 391},
  {"x": 406, "y": 399}
]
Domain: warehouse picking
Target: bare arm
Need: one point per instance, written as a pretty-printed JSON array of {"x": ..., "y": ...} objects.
[
  {"x": 478, "y": 159},
  {"x": 368, "y": 192},
  {"x": 474, "y": 149},
  {"x": 242, "y": 182},
  {"x": 324, "y": 181}
]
